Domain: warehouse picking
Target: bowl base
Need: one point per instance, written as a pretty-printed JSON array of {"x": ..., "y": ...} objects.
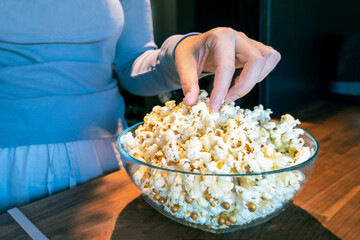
[{"x": 208, "y": 228}]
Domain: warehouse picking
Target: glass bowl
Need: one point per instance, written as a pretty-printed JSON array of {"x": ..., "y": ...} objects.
[{"x": 259, "y": 197}]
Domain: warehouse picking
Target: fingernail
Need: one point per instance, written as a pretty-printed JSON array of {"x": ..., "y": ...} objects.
[
  {"x": 231, "y": 98},
  {"x": 186, "y": 98},
  {"x": 216, "y": 106}
]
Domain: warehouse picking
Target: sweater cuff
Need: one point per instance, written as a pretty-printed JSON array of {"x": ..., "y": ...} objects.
[{"x": 167, "y": 59}]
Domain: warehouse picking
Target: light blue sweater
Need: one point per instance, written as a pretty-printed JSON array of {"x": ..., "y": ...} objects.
[{"x": 56, "y": 60}]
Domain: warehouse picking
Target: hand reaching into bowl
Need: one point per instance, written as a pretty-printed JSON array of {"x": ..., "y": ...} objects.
[{"x": 222, "y": 50}]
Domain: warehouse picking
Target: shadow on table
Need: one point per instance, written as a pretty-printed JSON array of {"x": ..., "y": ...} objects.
[{"x": 138, "y": 220}]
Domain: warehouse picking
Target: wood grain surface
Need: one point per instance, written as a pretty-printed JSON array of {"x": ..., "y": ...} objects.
[
  {"x": 110, "y": 207},
  {"x": 333, "y": 193}
]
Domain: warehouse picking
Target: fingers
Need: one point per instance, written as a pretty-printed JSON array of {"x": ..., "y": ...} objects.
[
  {"x": 259, "y": 60},
  {"x": 221, "y": 50},
  {"x": 247, "y": 79},
  {"x": 254, "y": 63},
  {"x": 222, "y": 81},
  {"x": 272, "y": 58},
  {"x": 223, "y": 58}
]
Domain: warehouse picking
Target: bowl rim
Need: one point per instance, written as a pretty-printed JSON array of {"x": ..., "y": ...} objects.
[{"x": 292, "y": 168}]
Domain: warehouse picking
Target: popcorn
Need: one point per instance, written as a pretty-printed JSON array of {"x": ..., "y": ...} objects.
[{"x": 230, "y": 141}]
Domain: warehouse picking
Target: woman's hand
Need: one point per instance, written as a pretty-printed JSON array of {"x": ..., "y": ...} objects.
[{"x": 222, "y": 50}]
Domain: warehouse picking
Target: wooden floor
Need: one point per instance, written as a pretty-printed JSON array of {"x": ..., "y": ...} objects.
[
  {"x": 333, "y": 193},
  {"x": 110, "y": 207}
]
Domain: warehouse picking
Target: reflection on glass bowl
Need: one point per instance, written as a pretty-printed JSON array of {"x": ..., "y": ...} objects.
[{"x": 254, "y": 198}]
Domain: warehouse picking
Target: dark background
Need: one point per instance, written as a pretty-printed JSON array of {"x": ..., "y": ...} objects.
[{"x": 312, "y": 36}]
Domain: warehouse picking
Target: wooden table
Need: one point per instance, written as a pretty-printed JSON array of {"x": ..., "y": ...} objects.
[{"x": 110, "y": 207}]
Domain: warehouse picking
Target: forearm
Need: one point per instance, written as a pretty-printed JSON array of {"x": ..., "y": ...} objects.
[{"x": 153, "y": 72}]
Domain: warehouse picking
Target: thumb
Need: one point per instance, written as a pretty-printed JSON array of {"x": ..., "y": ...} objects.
[
  {"x": 191, "y": 96},
  {"x": 186, "y": 66}
]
